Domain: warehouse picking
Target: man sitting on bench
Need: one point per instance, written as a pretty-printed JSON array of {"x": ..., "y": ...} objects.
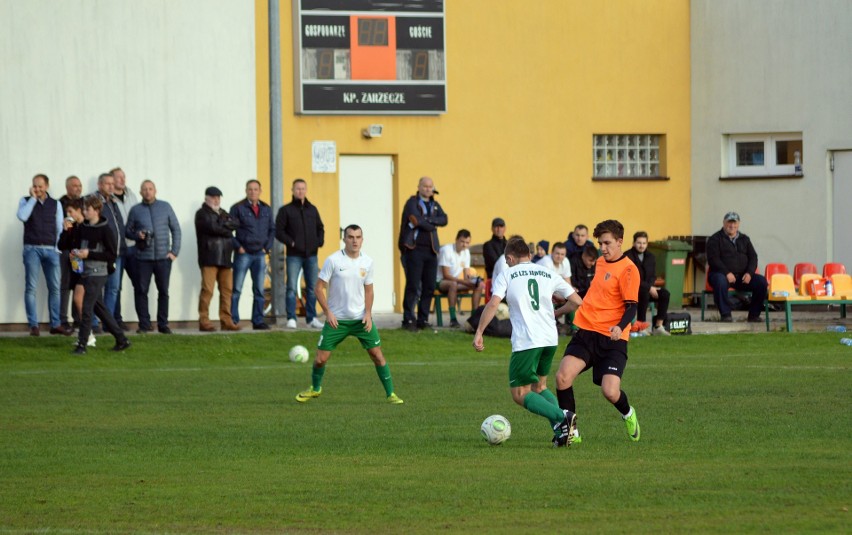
[
  {"x": 455, "y": 274},
  {"x": 647, "y": 264}
]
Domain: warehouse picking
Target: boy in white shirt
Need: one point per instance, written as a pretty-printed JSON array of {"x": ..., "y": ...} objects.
[
  {"x": 557, "y": 261},
  {"x": 529, "y": 290},
  {"x": 455, "y": 273},
  {"x": 348, "y": 275}
]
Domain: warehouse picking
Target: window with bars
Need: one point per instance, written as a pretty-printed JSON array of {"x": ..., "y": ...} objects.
[{"x": 626, "y": 156}]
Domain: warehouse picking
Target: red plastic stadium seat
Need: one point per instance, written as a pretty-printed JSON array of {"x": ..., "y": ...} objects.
[
  {"x": 832, "y": 268},
  {"x": 802, "y": 268},
  {"x": 772, "y": 269}
]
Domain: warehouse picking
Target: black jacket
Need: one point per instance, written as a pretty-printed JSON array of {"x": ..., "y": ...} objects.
[
  {"x": 491, "y": 250},
  {"x": 420, "y": 227},
  {"x": 214, "y": 233},
  {"x": 725, "y": 256},
  {"x": 647, "y": 267},
  {"x": 98, "y": 239},
  {"x": 299, "y": 227}
]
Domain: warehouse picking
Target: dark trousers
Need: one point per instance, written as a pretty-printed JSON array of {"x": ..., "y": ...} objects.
[
  {"x": 757, "y": 286},
  {"x": 421, "y": 268},
  {"x": 129, "y": 266},
  {"x": 645, "y": 298},
  {"x": 161, "y": 270},
  {"x": 65, "y": 290},
  {"x": 93, "y": 305}
]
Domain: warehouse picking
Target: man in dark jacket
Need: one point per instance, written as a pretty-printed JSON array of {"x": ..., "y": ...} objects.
[
  {"x": 214, "y": 232},
  {"x": 493, "y": 248},
  {"x": 254, "y": 240},
  {"x": 115, "y": 221},
  {"x": 418, "y": 243},
  {"x": 299, "y": 227},
  {"x": 647, "y": 264},
  {"x": 732, "y": 264}
]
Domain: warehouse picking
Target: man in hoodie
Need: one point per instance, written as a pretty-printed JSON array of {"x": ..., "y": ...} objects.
[
  {"x": 115, "y": 221},
  {"x": 418, "y": 243},
  {"x": 254, "y": 239},
  {"x": 299, "y": 227},
  {"x": 214, "y": 232}
]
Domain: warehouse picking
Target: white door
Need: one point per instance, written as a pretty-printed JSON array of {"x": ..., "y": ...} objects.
[
  {"x": 366, "y": 200},
  {"x": 842, "y": 219}
]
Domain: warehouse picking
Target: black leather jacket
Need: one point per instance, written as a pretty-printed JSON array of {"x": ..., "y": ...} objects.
[{"x": 214, "y": 232}]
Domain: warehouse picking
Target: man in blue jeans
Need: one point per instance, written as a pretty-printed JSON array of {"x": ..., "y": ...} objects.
[
  {"x": 42, "y": 217},
  {"x": 254, "y": 240},
  {"x": 299, "y": 227}
]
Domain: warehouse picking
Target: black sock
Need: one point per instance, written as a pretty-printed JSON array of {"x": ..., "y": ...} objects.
[
  {"x": 566, "y": 399},
  {"x": 622, "y": 405}
]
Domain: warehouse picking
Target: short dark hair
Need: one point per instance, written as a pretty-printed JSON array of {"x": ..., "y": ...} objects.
[
  {"x": 302, "y": 180},
  {"x": 581, "y": 226},
  {"x": 43, "y": 176},
  {"x": 589, "y": 250},
  {"x": 77, "y": 204},
  {"x": 640, "y": 234},
  {"x": 249, "y": 181},
  {"x": 72, "y": 177},
  {"x": 352, "y": 227},
  {"x": 517, "y": 247},
  {"x": 102, "y": 177},
  {"x": 612, "y": 226},
  {"x": 463, "y": 233},
  {"x": 559, "y": 245}
]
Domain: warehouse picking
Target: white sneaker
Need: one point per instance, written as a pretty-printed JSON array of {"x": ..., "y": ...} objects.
[
  {"x": 316, "y": 324},
  {"x": 291, "y": 324},
  {"x": 92, "y": 340},
  {"x": 661, "y": 331}
]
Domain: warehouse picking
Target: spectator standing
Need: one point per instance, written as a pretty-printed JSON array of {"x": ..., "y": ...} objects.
[
  {"x": 493, "y": 248},
  {"x": 299, "y": 227},
  {"x": 577, "y": 240},
  {"x": 254, "y": 239},
  {"x": 214, "y": 232},
  {"x": 93, "y": 244},
  {"x": 419, "y": 245},
  {"x": 73, "y": 190},
  {"x": 125, "y": 199},
  {"x": 455, "y": 273},
  {"x": 42, "y": 217},
  {"x": 732, "y": 263},
  {"x": 111, "y": 212},
  {"x": 155, "y": 227},
  {"x": 647, "y": 264}
]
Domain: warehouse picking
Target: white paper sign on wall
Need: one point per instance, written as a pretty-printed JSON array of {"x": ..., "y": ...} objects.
[{"x": 324, "y": 157}]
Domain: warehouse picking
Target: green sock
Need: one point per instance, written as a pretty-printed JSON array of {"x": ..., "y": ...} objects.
[
  {"x": 385, "y": 377},
  {"x": 316, "y": 378},
  {"x": 549, "y": 396},
  {"x": 452, "y": 313},
  {"x": 538, "y": 404}
]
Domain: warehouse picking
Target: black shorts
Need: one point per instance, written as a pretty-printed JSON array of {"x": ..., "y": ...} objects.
[{"x": 599, "y": 352}]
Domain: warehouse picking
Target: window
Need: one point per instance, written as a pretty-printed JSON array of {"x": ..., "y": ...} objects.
[
  {"x": 764, "y": 155},
  {"x": 626, "y": 156}
]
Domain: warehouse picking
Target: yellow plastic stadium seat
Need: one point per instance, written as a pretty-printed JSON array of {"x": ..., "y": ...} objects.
[
  {"x": 803, "y": 282},
  {"x": 842, "y": 285},
  {"x": 783, "y": 283}
]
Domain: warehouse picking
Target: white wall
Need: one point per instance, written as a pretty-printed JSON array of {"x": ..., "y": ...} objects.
[
  {"x": 770, "y": 66},
  {"x": 164, "y": 89}
]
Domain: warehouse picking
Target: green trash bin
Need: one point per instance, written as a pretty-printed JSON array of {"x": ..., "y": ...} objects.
[{"x": 671, "y": 265}]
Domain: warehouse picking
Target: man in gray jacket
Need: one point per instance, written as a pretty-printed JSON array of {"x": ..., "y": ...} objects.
[{"x": 154, "y": 226}]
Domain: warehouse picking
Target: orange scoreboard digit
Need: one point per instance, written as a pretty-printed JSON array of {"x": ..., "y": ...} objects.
[{"x": 370, "y": 57}]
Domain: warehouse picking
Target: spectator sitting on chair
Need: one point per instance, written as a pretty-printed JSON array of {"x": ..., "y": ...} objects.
[
  {"x": 557, "y": 262},
  {"x": 577, "y": 240},
  {"x": 647, "y": 265},
  {"x": 542, "y": 249},
  {"x": 732, "y": 263},
  {"x": 583, "y": 269},
  {"x": 455, "y": 273},
  {"x": 493, "y": 248}
]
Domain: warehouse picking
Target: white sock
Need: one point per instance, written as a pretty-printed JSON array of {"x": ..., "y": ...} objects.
[{"x": 629, "y": 414}]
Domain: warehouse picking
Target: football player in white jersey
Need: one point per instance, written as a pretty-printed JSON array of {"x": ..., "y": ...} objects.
[
  {"x": 348, "y": 276},
  {"x": 529, "y": 290}
]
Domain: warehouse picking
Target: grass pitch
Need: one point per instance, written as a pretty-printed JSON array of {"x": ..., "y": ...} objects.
[{"x": 201, "y": 434}]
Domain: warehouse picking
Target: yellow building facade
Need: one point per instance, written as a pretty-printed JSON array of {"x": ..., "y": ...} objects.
[{"x": 536, "y": 94}]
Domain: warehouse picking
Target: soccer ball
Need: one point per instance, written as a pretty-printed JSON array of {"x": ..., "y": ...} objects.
[
  {"x": 496, "y": 429},
  {"x": 299, "y": 354},
  {"x": 502, "y": 311}
]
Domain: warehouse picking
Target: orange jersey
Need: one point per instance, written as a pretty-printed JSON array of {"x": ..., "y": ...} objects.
[{"x": 603, "y": 307}]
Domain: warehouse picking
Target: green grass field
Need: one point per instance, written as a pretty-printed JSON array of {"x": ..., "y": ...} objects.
[{"x": 201, "y": 434}]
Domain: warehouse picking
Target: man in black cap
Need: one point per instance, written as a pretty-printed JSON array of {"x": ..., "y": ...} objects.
[
  {"x": 214, "y": 232},
  {"x": 732, "y": 263},
  {"x": 493, "y": 248}
]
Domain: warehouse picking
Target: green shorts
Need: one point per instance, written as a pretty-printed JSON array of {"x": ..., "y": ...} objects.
[
  {"x": 330, "y": 338},
  {"x": 525, "y": 367}
]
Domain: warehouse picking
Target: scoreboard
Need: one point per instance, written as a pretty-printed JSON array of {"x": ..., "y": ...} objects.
[{"x": 367, "y": 57}]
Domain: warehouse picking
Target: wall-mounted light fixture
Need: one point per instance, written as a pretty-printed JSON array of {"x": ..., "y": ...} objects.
[{"x": 374, "y": 130}]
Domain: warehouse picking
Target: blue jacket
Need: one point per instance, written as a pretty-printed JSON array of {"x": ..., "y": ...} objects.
[
  {"x": 159, "y": 218},
  {"x": 255, "y": 233}
]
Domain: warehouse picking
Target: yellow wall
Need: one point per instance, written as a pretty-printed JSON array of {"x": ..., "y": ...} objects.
[{"x": 529, "y": 83}]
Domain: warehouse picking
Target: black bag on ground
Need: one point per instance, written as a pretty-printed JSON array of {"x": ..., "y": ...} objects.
[
  {"x": 499, "y": 328},
  {"x": 678, "y": 323}
]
